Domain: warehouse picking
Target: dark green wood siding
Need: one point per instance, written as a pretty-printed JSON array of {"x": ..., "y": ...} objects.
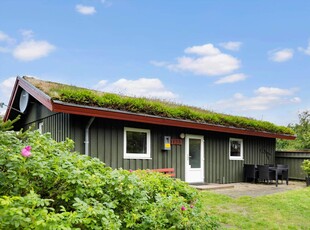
[
  {"x": 106, "y": 143},
  {"x": 293, "y": 159},
  {"x": 218, "y": 167},
  {"x": 58, "y": 124},
  {"x": 107, "y": 137}
]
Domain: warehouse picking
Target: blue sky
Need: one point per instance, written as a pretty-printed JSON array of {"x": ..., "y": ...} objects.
[{"x": 247, "y": 58}]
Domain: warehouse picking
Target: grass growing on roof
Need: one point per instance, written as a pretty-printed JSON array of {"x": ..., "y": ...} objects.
[{"x": 82, "y": 96}]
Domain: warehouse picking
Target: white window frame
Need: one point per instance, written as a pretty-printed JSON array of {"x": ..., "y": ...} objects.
[
  {"x": 146, "y": 155},
  {"x": 241, "y": 149}
]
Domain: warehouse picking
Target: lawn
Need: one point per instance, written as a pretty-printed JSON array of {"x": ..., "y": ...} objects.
[{"x": 287, "y": 210}]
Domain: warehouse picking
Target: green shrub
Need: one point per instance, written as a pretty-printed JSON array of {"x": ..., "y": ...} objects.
[
  {"x": 305, "y": 165},
  {"x": 44, "y": 185}
]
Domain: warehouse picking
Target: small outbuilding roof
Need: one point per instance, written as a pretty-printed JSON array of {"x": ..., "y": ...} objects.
[{"x": 76, "y": 100}]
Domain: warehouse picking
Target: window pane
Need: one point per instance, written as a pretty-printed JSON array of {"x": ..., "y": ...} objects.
[
  {"x": 136, "y": 142},
  {"x": 194, "y": 153},
  {"x": 235, "y": 148}
]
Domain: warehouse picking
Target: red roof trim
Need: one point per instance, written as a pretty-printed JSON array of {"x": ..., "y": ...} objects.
[
  {"x": 37, "y": 94},
  {"x": 33, "y": 91},
  {"x": 119, "y": 115},
  {"x": 12, "y": 98}
]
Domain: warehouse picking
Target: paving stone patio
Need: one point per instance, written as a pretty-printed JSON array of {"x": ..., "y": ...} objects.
[{"x": 251, "y": 189}]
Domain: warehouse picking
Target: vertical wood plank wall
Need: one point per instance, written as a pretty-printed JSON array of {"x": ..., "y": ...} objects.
[
  {"x": 293, "y": 159},
  {"x": 106, "y": 143},
  {"x": 58, "y": 124},
  {"x": 218, "y": 167}
]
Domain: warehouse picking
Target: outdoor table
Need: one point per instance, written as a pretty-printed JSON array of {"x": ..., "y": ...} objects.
[{"x": 277, "y": 172}]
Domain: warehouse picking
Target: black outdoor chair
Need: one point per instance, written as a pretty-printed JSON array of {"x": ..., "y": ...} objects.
[
  {"x": 283, "y": 174},
  {"x": 249, "y": 172},
  {"x": 264, "y": 174}
]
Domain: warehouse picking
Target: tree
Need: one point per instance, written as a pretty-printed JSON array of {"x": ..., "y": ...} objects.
[{"x": 302, "y": 130}]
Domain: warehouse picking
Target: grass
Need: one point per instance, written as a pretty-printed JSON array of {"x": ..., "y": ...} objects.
[
  {"x": 82, "y": 96},
  {"x": 287, "y": 210}
]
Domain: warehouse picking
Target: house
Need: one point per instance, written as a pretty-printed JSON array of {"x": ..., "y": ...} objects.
[{"x": 139, "y": 133}]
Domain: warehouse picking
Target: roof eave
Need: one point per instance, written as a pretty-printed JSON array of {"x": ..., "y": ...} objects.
[{"x": 60, "y": 106}]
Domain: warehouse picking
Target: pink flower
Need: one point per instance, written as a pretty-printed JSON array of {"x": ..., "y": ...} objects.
[
  {"x": 183, "y": 208},
  {"x": 26, "y": 151},
  {"x": 130, "y": 170}
]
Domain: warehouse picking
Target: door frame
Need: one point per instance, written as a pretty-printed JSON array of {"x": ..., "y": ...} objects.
[{"x": 202, "y": 152}]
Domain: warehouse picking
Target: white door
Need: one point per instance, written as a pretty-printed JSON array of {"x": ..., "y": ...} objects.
[{"x": 194, "y": 159}]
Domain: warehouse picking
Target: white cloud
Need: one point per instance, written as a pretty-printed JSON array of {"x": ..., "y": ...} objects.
[
  {"x": 27, "y": 34},
  {"x": 6, "y": 88},
  {"x": 4, "y": 50},
  {"x": 295, "y": 100},
  {"x": 6, "y": 41},
  {"x": 204, "y": 50},
  {"x": 275, "y": 91},
  {"x": 106, "y": 3},
  {"x": 264, "y": 98},
  {"x": 234, "y": 46},
  {"x": 159, "y": 63},
  {"x": 86, "y": 10},
  {"x": 231, "y": 78},
  {"x": 210, "y": 61},
  {"x": 281, "y": 55},
  {"x": 27, "y": 50},
  {"x": 31, "y": 50},
  {"x": 143, "y": 87},
  {"x": 6, "y": 38},
  {"x": 305, "y": 50},
  {"x": 101, "y": 85}
]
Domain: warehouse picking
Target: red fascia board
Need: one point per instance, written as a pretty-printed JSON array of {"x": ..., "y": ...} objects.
[
  {"x": 33, "y": 91},
  {"x": 118, "y": 115},
  {"x": 37, "y": 94},
  {"x": 12, "y": 98}
]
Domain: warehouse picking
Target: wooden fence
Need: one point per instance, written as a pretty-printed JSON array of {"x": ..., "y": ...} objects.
[{"x": 293, "y": 159}]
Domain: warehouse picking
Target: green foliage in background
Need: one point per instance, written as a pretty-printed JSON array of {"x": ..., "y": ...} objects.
[
  {"x": 55, "y": 188},
  {"x": 306, "y": 167},
  {"x": 302, "y": 130}
]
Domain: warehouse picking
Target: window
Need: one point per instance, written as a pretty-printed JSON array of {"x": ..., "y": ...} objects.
[
  {"x": 235, "y": 149},
  {"x": 137, "y": 143}
]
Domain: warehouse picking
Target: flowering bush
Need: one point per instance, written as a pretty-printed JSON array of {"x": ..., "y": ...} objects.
[
  {"x": 44, "y": 185},
  {"x": 26, "y": 151}
]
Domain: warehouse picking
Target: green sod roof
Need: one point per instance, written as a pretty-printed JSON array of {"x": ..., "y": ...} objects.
[{"x": 87, "y": 97}]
